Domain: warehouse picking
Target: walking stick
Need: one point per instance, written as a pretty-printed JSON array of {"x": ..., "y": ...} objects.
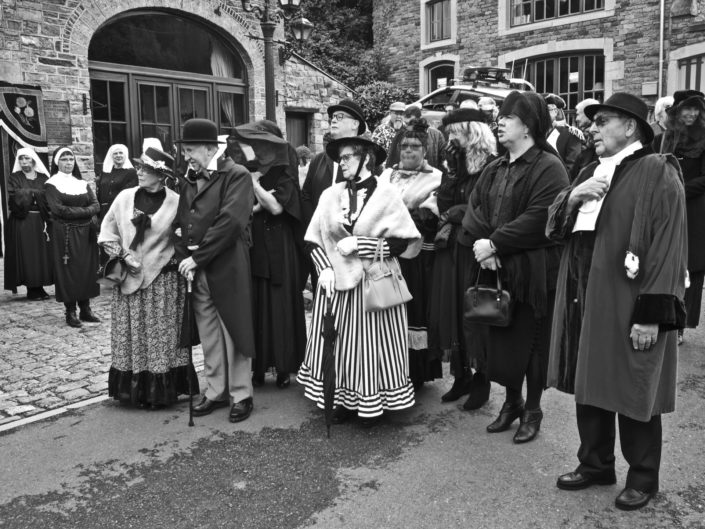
[{"x": 191, "y": 371}]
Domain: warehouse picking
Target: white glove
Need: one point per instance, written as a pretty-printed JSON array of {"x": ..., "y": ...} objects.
[
  {"x": 327, "y": 280},
  {"x": 347, "y": 245}
]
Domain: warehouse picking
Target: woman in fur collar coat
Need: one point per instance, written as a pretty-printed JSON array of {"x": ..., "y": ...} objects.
[{"x": 352, "y": 218}]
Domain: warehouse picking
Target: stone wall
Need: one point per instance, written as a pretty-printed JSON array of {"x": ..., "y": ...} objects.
[{"x": 45, "y": 43}]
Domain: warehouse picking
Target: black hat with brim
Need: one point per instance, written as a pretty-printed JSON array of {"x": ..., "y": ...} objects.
[
  {"x": 199, "y": 130},
  {"x": 629, "y": 105},
  {"x": 686, "y": 98},
  {"x": 463, "y": 115},
  {"x": 333, "y": 148},
  {"x": 258, "y": 131},
  {"x": 352, "y": 108}
]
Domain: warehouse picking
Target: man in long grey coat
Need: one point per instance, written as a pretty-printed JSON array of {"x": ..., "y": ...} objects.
[{"x": 614, "y": 335}]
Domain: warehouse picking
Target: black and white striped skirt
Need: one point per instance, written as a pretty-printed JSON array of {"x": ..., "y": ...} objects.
[{"x": 371, "y": 350}]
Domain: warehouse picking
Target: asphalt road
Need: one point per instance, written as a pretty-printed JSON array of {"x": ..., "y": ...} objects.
[{"x": 432, "y": 466}]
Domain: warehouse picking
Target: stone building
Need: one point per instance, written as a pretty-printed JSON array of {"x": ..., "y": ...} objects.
[
  {"x": 575, "y": 48},
  {"x": 116, "y": 71}
]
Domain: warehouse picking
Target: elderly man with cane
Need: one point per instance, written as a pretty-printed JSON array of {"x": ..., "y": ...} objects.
[
  {"x": 614, "y": 336},
  {"x": 216, "y": 199}
]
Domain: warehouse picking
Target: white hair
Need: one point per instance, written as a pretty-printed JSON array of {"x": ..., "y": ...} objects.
[{"x": 662, "y": 104}]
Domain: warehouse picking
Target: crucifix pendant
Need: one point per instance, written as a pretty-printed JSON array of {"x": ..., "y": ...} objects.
[{"x": 66, "y": 259}]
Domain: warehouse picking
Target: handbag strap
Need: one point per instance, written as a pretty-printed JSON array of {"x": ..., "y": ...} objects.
[
  {"x": 499, "y": 280},
  {"x": 379, "y": 251}
]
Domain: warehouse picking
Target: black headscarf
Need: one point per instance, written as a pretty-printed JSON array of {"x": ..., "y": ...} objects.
[{"x": 531, "y": 109}]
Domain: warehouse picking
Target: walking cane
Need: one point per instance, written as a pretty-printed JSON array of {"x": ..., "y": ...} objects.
[{"x": 191, "y": 371}]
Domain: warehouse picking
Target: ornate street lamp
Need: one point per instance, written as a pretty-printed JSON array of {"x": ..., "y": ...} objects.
[
  {"x": 269, "y": 16},
  {"x": 301, "y": 29}
]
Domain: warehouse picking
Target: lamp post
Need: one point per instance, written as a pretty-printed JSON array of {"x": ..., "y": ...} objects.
[{"x": 269, "y": 16}]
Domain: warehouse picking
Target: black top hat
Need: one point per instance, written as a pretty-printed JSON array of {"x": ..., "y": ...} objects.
[
  {"x": 553, "y": 99},
  {"x": 199, "y": 130},
  {"x": 684, "y": 98},
  {"x": 352, "y": 108},
  {"x": 333, "y": 148},
  {"x": 629, "y": 105},
  {"x": 156, "y": 160},
  {"x": 463, "y": 115}
]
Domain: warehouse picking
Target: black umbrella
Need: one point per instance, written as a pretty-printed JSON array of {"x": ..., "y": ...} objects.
[
  {"x": 187, "y": 327},
  {"x": 329, "y": 335}
]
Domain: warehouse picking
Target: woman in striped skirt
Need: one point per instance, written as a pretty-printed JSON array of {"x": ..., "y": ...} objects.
[{"x": 352, "y": 218}]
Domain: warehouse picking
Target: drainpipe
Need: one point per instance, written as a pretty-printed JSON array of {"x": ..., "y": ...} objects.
[{"x": 660, "y": 49}]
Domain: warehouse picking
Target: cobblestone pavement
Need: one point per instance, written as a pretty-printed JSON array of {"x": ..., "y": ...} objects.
[{"x": 44, "y": 364}]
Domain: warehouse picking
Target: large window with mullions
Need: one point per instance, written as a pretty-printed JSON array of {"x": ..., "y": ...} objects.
[
  {"x": 574, "y": 77},
  {"x": 530, "y": 11}
]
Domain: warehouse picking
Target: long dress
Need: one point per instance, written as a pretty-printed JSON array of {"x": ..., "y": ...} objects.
[
  {"x": 149, "y": 366},
  {"x": 280, "y": 325},
  {"x": 417, "y": 189},
  {"x": 75, "y": 256},
  {"x": 372, "y": 363},
  {"x": 28, "y": 260}
]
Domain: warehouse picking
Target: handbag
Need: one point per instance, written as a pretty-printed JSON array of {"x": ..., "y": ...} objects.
[
  {"x": 114, "y": 272},
  {"x": 489, "y": 305},
  {"x": 384, "y": 285}
]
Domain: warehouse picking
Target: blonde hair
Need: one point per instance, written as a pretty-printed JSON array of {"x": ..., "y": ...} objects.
[{"x": 481, "y": 143}]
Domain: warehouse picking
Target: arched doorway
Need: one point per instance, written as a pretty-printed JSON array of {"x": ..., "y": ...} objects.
[{"x": 150, "y": 71}]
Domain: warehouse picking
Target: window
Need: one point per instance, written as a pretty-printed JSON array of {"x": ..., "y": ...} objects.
[
  {"x": 440, "y": 74},
  {"x": 108, "y": 99},
  {"x": 438, "y": 20},
  {"x": 573, "y": 77},
  {"x": 691, "y": 73},
  {"x": 528, "y": 11}
]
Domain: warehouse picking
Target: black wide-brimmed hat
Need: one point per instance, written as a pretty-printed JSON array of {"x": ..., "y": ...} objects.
[
  {"x": 199, "y": 130},
  {"x": 462, "y": 115},
  {"x": 333, "y": 148},
  {"x": 262, "y": 130},
  {"x": 352, "y": 108},
  {"x": 156, "y": 160},
  {"x": 685, "y": 98},
  {"x": 629, "y": 105}
]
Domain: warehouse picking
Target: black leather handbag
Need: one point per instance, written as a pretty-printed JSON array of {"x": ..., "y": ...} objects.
[
  {"x": 114, "y": 272},
  {"x": 487, "y": 304}
]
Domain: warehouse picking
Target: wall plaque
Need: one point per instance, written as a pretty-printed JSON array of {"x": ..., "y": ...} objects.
[{"x": 58, "y": 122}]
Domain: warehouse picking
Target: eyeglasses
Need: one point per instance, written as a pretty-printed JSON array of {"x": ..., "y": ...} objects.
[
  {"x": 414, "y": 146},
  {"x": 339, "y": 116},
  {"x": 345, "y": 158},
  {"x": 602, "y": 119}
]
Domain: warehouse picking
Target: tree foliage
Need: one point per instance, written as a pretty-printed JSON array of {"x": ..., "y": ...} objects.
[{"x": 375, "y": 98}]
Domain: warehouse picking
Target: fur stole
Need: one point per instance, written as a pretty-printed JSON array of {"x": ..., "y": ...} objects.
[
  {"x": 383, "y": 216},
  {"x": 417, "y": 188}
]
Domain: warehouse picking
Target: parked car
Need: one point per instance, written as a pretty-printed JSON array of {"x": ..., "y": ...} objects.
[{"x": 476, "y": 83}]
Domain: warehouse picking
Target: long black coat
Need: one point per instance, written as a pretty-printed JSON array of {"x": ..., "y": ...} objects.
[
  {"x": 216, "y": 219},
  {"x": 318, "y": 179}
]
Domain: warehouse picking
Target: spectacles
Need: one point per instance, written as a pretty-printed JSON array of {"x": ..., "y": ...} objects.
[
  {"x": 345, "y": 158},
  {"x": 602, "y": 119},
  {"x": 339, "y": 116},
  {"x": 413, "y": 146}
]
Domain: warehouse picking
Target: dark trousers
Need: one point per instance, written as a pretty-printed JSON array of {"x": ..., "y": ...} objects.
[{"x": 640, "y": 441}]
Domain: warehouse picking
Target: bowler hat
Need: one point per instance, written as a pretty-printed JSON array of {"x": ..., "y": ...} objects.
[
  {"x": 629, "y": 105},
  {"x": 198, "y": 130},
  {"x": 333, "y": 148},
  {"x": 156, "y": 160},
  {"x": 462, "y": 115},
  {"x": 684, "y": 98},
  {"x": 553, "y": 99},
  {"x": 352, "y": 108}
]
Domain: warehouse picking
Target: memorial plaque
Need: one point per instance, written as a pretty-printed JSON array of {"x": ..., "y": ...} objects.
[{"x": 58, "y": 122}]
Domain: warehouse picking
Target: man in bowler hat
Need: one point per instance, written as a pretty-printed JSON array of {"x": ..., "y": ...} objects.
[{"x": 213, "y": 217}]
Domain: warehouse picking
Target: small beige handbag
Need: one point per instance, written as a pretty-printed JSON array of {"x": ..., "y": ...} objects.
[{"x": 384, "y": 285}]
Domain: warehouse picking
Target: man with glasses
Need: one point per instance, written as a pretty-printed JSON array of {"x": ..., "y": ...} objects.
[
  {"x": 565, "y": 139},
  {"x": 614, "y": 342},
  {"x": 385, "y": 132}
]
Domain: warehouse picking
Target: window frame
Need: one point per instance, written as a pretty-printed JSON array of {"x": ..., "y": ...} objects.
[
  {"x": 425, "y": 27},
  {"x": 533, "y": 6}
]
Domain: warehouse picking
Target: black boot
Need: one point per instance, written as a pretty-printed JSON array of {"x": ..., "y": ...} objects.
[
  {"x": 71, "y": 319},
  {"x": 480, "y": 393},
  {"x": 509, "y": 413},
  {"x": 86, "y": 314},
  {"x": 461, "y": 386}
]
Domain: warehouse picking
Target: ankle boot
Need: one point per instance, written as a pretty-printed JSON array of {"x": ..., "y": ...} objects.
[
  {"x": 480, "y": 393},
  {"x": 71, "y": 319},
  {"x": 86, "y": 314},
  {"x": 510, "y": 412},
  {"x": 461, "y": 386},
  {"x": 529, "y": 427}
]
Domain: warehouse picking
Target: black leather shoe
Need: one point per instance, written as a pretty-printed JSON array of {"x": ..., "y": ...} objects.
[
  {"x": 72, "y": 320},
  {"x": 206, "y": 406},
  {"x": 283, "y": 380},
  {"x": 461, "y": 386},
  {"x": 480, "y": 393},
  {"x": 341, "y": 414},
  {"x": 578, "y": 481},
  {"x": 241, "y": 410},
  {"x": 509, "y": 413},
  {"x": 632, "y": 499},
  {"x": 88, "y": 315},
  {"x": 530, "y": 424}
]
